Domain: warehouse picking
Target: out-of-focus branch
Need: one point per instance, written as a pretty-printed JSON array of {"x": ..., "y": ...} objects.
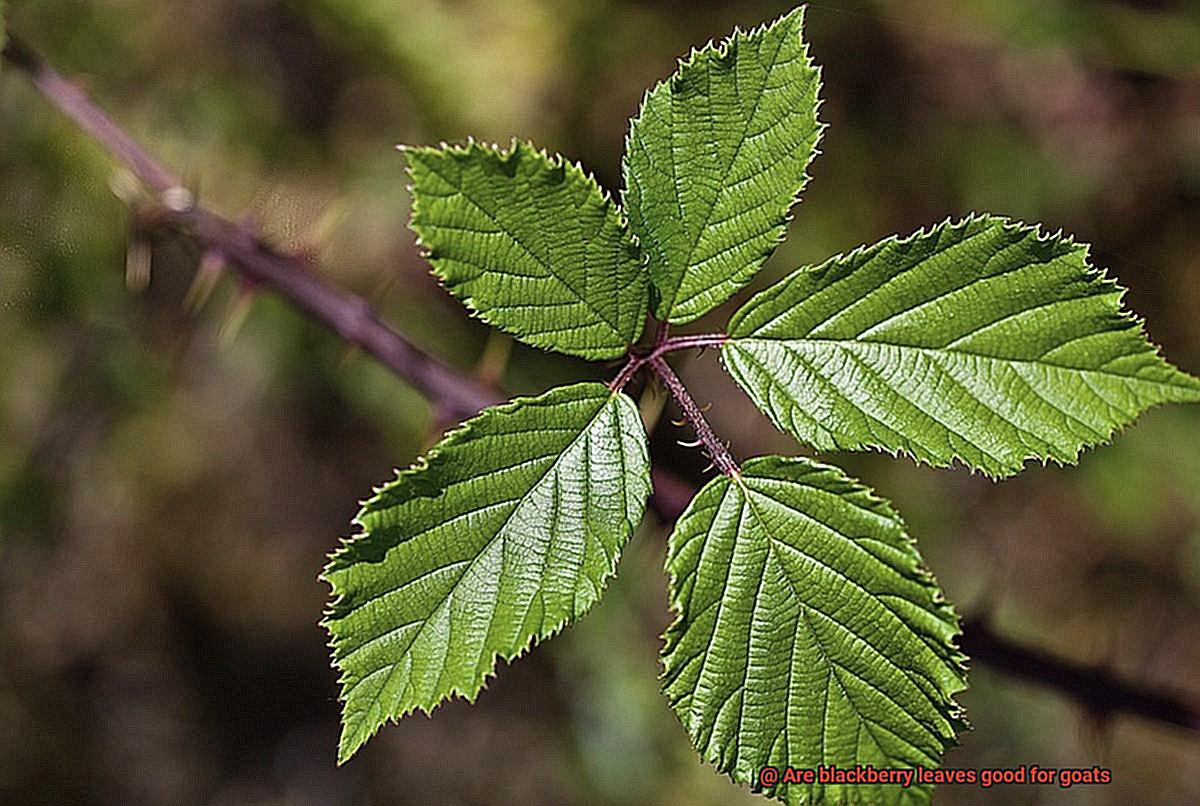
[
  {"x": 351, "y": 317},
  {"x": 73, "y": 102},
  {"x": 458, "y": 396},
  {"x": 1096, "y": 688}
]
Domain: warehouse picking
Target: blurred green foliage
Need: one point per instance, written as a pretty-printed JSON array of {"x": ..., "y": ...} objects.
[{"x": 170, "y": 484}]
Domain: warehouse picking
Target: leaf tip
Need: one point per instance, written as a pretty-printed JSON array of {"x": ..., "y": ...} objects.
[{"x": 352, "y": 738}]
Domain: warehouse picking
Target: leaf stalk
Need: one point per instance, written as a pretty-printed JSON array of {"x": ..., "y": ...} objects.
[{"x": 715, "y": 449}]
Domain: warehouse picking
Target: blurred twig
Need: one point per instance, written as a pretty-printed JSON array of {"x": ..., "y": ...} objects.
[
  {"x": 457, "y": 396},
  {"x": 351, "y": 317},
  {"x": 1096, "y": 688}
]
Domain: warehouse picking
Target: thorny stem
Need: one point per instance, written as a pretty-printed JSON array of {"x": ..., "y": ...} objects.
[
  {"x": 1102, "y": 692},
  {"x": 351, "y": 317},
  {"x": 691, "y": 412}
]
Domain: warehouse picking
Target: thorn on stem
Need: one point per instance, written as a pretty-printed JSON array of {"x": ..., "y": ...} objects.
[
  {"x": 177, "y": 199},
  {"x": 138, "y": 260},
  {"x": 493, "y": 363},
  {"x": 212, "y": 266},
  {"x": 125, "y": 185},
  {"x": 239, "y": 311}
]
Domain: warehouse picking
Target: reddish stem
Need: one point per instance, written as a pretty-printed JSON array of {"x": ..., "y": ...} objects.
[
  {"x": 691, "y": 413},
  {"x": 662, "y": 346},
  {"x": 699, "y": 340},
  {"x": 660, "y": 332},
  {"x": 627, "y": 372}
]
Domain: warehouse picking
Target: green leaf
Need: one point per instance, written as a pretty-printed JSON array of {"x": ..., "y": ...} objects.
[
  {"x": 808, "y": 632},
  {"x": 984, "y": 341},
  {"x": 715, "y": 160},
  {"x": 506, "y": 531},
  {"x": 531, "y": 244}
]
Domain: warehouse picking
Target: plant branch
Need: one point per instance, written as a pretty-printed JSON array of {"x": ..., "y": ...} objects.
[
  {"x": 351, "y": 317},
  {"x": 458, "y": 396},
  {"x": 1096, "y": 688},
  {"x": 715, "y": 449},
  {"x": 72, "y": 101},
  {"x": 627, "y": 372},
  {"x": 699, "y": 341}
]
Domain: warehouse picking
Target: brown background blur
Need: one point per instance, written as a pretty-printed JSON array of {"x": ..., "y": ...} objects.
[{"x": 170, "y": 482}]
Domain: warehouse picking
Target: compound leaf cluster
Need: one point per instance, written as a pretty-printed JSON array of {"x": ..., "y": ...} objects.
[{"x": 807, "y": 630}]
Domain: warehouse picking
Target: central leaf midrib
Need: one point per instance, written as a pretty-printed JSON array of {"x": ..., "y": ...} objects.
[
  {"x": 483, "y": 549},
  {"x": 762, "y": 91},
  {"x": 542, "y": 261},
  {"x": 773, "y": 545},
  {"x": 850, "y": 343},
  {"x": 833, "y": 667}
]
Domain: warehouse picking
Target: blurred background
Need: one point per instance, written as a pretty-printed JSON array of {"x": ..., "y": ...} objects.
[{"x": 172, "y": 476}]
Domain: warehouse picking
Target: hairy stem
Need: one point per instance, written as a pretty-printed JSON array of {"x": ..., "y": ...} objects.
[
  {"x": 660, "y": 332},
  {"x": 715, "y": 449},
  {"x": 698, "y": 341},
  {"x": 627, "y": 372}
]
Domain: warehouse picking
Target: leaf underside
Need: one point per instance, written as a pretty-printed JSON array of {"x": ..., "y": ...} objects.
[
  {"x": 504, "y": 533},
  {"x": 715, "y": 160},
  {"x": 983, "y": 341},
  {"x": 808, "y": 632},
  {"x": 531, "y": 244}
]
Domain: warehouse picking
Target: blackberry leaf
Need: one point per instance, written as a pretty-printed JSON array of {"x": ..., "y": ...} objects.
[
  {"x": 808, "y": 633},
  {"x": 715, "y": 160},
  {"x": 505, "y": 532},
  {"x": 531, "y": 244},
  {"x": 983, "y": 341}
]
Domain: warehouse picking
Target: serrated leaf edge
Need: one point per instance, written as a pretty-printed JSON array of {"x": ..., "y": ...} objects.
[
  {"x": 347, "y": 751},
  {"x": 721, "y": 50},
  {"x": 955, "y": 658},
  {"x": 554, "y": 160},
  {"x": 1043, "y": 235}
]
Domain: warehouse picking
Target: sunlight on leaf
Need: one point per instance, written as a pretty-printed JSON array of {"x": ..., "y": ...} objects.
[
  {"x": 505, "y": 532},
  {"x": 808, "y": 633},
  {"x": 984, "y": 341}
]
